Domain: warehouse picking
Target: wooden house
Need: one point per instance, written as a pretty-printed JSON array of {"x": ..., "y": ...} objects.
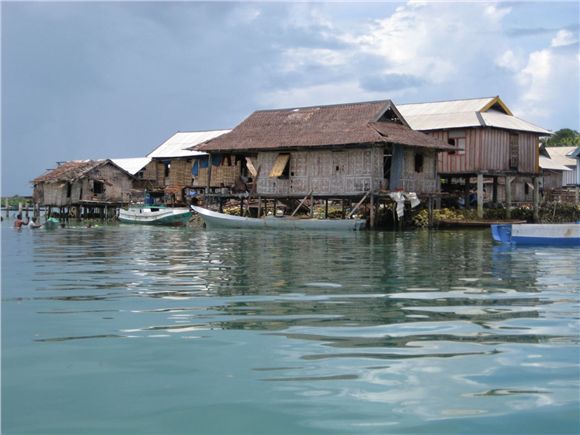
[
  {"x": 490, "y": 143},
  {"x": 178, "y": 167},
  {"x": 555, "y": 174},
  {"x": 336, "y": 151},
  {"x": 94, "y": 184},
  {"x": 143, "y": 170}
]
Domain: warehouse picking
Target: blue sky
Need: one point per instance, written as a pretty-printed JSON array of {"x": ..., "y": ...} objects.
[{"x": 116, "y": 79}]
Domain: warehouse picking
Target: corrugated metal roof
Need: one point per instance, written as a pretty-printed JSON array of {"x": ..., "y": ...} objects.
[
  {"x": 132, "y": 165},
  {"x": 442, "y": 120},
  {"x": 547, "y": 163},
  {"x": 475, "y": 112},
  {"x": 501, "y": 120},
  {"x": 559, "y": 155},
  {"x": 440, "y": 107},
  {"x": 176, "y": 145}
]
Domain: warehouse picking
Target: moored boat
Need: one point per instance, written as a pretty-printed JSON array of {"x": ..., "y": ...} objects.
[
  {"x": 537, "y": 234},
  {"x": 155, "y": 215},
  {"x": 215, "y": 220}
]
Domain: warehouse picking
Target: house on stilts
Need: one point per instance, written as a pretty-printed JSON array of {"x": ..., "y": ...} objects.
[
  {"x": 83, "y": 188},
  {"x": 495, "y": 155},
  {"x": 344, "y": 152}
]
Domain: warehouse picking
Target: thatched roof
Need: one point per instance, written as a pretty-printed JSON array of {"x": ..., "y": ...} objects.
[
  {"x": 73, "y": 170},
  {"x": 322, "y": 126}
]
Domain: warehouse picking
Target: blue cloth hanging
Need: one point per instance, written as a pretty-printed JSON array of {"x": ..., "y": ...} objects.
[
  {"x": 203, "y": 163},
  {"x": 216, "y": 159},
  {"x": 195, "y": 169}
]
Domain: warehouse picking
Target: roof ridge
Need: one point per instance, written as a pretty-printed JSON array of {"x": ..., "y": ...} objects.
[
  {"x": 384, "y": 101},
  {"x": 449, "y": 101}
]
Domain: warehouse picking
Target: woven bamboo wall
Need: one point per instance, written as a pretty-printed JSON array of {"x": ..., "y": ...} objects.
[{"x": 220, "y": 176}]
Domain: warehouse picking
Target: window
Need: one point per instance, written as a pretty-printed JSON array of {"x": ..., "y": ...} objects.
[
  {"x": 457, "y": 139},
  {"x": 98, "y": 187},
  {"x": 167, "y": 167},
  {"x": 281, "y": 168},
  {"x": 387, "y": 161},
  {"x": 419, "y": 162}
]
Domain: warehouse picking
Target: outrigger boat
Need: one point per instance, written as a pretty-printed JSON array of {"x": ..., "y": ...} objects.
[
  {"x": 215, "y": 220},
  {"x": 155, "y": 215},
  {"x": 537, "y": 234}
]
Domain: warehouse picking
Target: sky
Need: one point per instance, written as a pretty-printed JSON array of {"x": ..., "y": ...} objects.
[{"x": 90, "y": 80}]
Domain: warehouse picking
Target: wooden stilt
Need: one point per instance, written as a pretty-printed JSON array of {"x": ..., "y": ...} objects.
[
  {"x": 508, "y": 197},
  {"x": 536, "y": 181},
  {"x": 480, "y": 196},
  {"x": 326, "y": 208}
]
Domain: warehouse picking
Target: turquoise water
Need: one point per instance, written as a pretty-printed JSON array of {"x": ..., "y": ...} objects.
[{"x": 128, "y": 329}]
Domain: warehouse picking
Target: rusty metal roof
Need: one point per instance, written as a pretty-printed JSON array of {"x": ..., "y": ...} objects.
[{"x": 321, "y": 126}]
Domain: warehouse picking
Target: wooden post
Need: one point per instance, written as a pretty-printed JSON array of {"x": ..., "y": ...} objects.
[
  {"x": 372, "y": 216},
  {"x": 343, "y": 208},
  {"x": 508, "y": 197},
  {"x": 480, "y": 196},
  {"x": 311, "y": 204},
  {"x": 326, "y": 208},
  {"x": 494, "y": 191},
  {"x": 536, "y": 181},
  {"x": 430, "y": 215},
  {"x": 209, "y": 165},
  {"x": 242, "y": 206},
  {"x": 259, "y": 205}
]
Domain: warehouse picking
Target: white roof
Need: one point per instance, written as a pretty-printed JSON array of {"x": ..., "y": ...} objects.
[
  {"x": 547, "y": 163},
  {"x": 440, "y": 107},
  {"x": 561, "y": 156},
  {"x": 132, "y": 165},
  {"x": 475, "y": 112},
  {"x": 176, "y": 145}
]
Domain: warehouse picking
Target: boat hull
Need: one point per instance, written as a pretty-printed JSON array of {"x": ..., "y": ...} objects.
[
  {"x": 537, "y": 234},
  {"x": 215, "y": 220},
  {"x": 162, "y": 216}
]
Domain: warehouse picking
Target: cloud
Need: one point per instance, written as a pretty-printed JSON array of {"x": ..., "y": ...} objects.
[
  {"x": 564, "y": 38},
  {"x": 509, "y": 61}
]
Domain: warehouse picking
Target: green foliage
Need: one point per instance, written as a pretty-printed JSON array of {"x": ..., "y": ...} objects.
[
  {"x": 13, "y": 201},
  {"x": 564, "y": 137}
]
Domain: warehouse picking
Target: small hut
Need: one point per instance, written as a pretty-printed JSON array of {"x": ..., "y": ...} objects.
[{"x": 83, "y": 188}]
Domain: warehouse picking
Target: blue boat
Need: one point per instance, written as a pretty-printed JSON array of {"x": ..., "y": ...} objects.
[{"x": 537, "y": 234}]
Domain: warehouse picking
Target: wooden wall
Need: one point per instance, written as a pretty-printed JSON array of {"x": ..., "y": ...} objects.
[
  {"x": 224, "y": 175},
  {"x": 117, "y": 187},
  {"x": 488, "y": 149},
  {"x": 345, "y": 172}
]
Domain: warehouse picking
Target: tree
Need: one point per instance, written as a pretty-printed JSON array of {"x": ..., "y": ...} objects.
[{"x": 564, "y": 137}]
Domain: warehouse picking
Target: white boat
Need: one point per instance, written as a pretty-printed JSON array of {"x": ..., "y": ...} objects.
[
  {"x": 215, "y": 220},
  {"x": 537, "y": 234},
  {"x": 155, "y": 215}
]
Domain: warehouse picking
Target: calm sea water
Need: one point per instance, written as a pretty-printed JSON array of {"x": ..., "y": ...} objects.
[{"x": 126, "y": 329}]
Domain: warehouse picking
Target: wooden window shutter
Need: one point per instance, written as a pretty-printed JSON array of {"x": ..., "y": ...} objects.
[{"x": 279, "y": 165}]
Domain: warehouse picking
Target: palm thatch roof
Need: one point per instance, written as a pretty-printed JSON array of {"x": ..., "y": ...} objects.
[{"x": 341, "y": 125}]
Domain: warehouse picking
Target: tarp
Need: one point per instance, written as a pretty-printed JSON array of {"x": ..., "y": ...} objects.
[{"x": 279, "y": 165}]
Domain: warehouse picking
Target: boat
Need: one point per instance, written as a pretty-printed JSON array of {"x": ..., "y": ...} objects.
[
  {"x": 155, "y": 215},
  {"x": 537, "y": 234},
  {"x": 215, "y": 220}
]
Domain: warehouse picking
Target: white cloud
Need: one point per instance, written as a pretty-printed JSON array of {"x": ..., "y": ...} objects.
[
  {"x": 547, "y": 84},
  {"x": 496, "y": 14},
  {"x": 563, "y": 38},
  {"x": 508, "y": 60}
]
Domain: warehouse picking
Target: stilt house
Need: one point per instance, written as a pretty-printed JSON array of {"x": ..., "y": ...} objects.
[
  {"x": 83, "y": 183},
  {"x": 490, "y": 145},
  {"x": 342, "y": 150},
  {"x": 179, "y": 167}
]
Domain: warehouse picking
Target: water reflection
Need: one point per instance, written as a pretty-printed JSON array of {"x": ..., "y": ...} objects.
[{"x": 397, "y": 319}]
